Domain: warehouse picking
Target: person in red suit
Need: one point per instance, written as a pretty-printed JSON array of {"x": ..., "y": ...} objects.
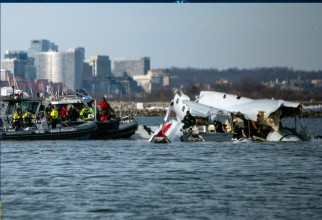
[{"x": 105, "y": 109}]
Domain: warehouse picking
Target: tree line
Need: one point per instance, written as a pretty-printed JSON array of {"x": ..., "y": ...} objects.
[{"x": 246, "y": 82}]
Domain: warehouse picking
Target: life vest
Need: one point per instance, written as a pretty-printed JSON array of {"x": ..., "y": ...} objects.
[
  {"x": 16, "y": 116},
  {"x": 54, "y": 114},
  {"x": 28, "y": 116},
  {"x": 85, "y": 113}
]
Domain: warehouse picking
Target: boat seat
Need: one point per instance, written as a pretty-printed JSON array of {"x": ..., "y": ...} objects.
[{"x": 211, "y": 128}]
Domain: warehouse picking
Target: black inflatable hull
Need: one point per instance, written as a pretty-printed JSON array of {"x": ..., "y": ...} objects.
[
  {"x": 71, "y": 131},
  {"x": 114, "y": 129}
]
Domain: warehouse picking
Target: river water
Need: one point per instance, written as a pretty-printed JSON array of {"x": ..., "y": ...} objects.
[{"x": 133, "y": 179}]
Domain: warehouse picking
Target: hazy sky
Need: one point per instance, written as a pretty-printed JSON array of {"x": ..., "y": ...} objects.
[{"x": 213, "y": 35}]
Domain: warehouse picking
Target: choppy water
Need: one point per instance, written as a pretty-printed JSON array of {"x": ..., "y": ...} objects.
[{"x": 133, "y": 179}]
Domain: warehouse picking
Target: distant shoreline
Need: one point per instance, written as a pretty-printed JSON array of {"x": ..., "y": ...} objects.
[{"x": 158, "y": 109}]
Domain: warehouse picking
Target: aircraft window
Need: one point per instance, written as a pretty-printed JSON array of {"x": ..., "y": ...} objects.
[
  {"x": 183, "y": 108},
  {"x": 177, "y": 101}
]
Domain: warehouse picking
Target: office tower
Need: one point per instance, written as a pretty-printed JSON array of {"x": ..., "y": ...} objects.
[
  {"x": 15, "y": 54},
  {"x": 132, "y": 66},
  {"x": 38, "y": 46},
  {"x": 61, "y": 67},
  {"x": 74, "y": 68},
  {"x": 14, "y": 66},
  {"x": 15, "y": 62},
  {"x": 101, "y": 66}
]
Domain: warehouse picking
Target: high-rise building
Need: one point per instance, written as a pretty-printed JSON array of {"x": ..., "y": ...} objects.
[
  {"x": 14, "y": 66},
  {"x": 38, "y": 46},
  {"x": 74, "y": 68},
  {"x": 101, "y": 66},
  {"x": 19, "y": 55},
  {"x": 15, "y": 62},
  {"x": 61, "y": 67},
  {"x": 132, "y": 66}
]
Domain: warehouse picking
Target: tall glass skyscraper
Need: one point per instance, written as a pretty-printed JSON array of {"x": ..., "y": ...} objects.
[
  {"x": 38, "y": 46},
  {"x": 61, "y": 67}
]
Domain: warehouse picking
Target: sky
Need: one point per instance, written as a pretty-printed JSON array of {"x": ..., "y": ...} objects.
[{"x": 197, "y": 35}]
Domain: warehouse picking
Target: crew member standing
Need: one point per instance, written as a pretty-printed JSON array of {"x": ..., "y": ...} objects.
[
  {"x": 63, "y": 113},
  {"x": 53, "y": 117},
  {"x": 48, "y": 110},
  {"x": 105, "y": 107},
  {"x": 73, "y": 114}
]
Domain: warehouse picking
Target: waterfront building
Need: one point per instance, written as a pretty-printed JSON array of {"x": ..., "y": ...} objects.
[
  {"x": 61, "y": 67},
  {"x": 98, "y": 79},
  {"x": 153, "y": 80},
  {"x": 131, "y": 66}
]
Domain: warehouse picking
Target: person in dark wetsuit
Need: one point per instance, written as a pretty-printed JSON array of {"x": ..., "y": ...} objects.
[
  {"x": 73, "y": 114},
  {"x": 188, "y": 120}
]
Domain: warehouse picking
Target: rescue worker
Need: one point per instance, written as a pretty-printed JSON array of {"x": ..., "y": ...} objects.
[
  {"x": 63, "y": 113},
  {"x": 48, "y": 109},
  {"x": 105, "y": 107},
  {"x": 73, "y": 114},
  {"x": 16, "y": 120},
  {"x": 239, "y": 126},
  {"x": 28, "y": 116},
  {"x": 54, "y": 117},
  {"x": 85, "y": 112},
  {"x": 188, "y": 120}
]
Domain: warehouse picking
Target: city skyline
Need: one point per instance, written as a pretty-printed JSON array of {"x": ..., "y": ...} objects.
[{"x": 214, "y": 35}]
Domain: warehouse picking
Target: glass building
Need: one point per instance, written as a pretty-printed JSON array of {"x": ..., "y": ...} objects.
[
  {"x": 17, "y": 54},
  {"x": 61, "y": 67},
  {"x": 38, "y": 46}
]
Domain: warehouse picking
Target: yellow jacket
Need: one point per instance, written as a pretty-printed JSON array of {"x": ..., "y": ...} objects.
[
  {"x": 85, "y": 112},
  {"x": 16, "y": 116},
  {"x": 54, "y": 114},
  {"x": 28, "y": 115}
]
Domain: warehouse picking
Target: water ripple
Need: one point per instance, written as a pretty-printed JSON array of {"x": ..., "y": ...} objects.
[{"x": 137, "y": 180}]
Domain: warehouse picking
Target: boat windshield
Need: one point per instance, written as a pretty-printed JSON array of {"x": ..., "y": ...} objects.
[{"x": 24, "y": 106}]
